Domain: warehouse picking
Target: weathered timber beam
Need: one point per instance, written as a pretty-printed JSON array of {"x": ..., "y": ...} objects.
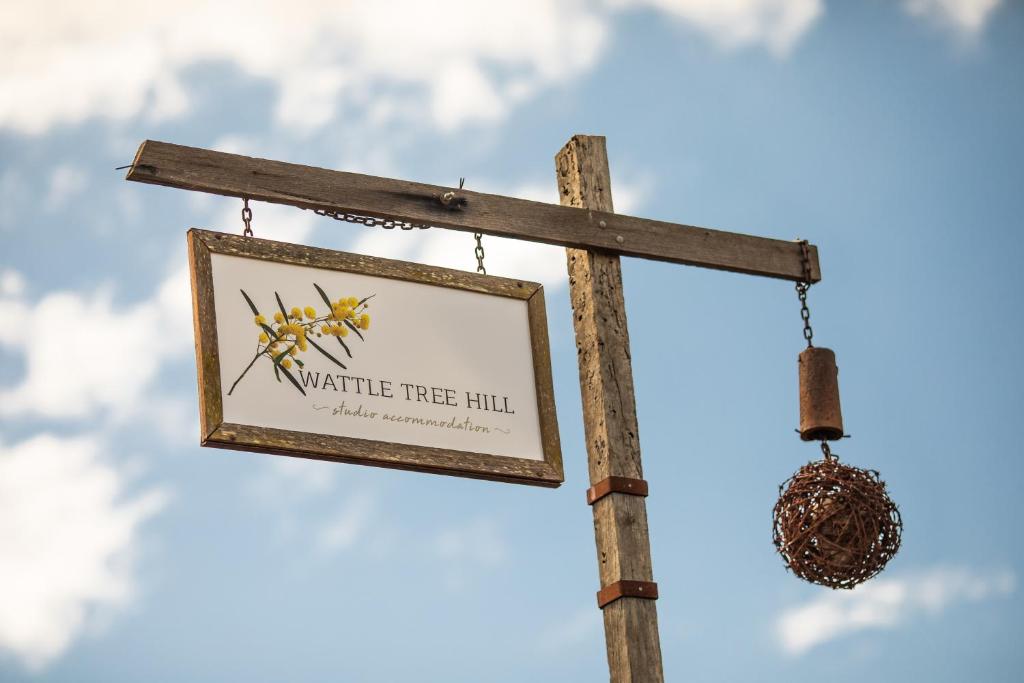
[
  {"x": 308, "y": 187},
  {"x": 609, "y": 422}
]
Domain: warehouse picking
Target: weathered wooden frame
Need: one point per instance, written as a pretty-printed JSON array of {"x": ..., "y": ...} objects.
[{"x": 219, "y": 434}]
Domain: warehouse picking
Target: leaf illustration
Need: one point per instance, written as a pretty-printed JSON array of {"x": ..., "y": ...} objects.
[
  {"x": 344, "y": 346},
  {"x": 323, "y": 295},
  {"x": 281, "y": 304},
  {"x": 355, "y": 329},
  {"x": 324, "y": 351},
  {"x": 288, "y": 357},
  {"x": 291, "y": 378},
  {"x": 255, "y": 311}
]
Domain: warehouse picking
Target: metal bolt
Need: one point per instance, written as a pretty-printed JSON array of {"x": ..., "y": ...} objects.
[
  {"x": 602, "y": 224},
  {"x": 619, "y": 239}
]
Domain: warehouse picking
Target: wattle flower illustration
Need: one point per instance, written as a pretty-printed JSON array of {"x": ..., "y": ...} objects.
[{"x": 293, "y": 331}]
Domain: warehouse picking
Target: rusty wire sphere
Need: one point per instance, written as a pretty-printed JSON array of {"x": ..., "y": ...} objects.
[{"x": 835, "y": 525}]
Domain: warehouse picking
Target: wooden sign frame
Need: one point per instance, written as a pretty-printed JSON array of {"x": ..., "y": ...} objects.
[{"x": 217, "y": 433}]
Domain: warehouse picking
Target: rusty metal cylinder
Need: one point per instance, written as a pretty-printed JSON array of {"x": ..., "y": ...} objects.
[{"x": 820, "y": 415}]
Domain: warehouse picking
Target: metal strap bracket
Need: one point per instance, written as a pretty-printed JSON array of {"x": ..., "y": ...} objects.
[
  {"x": 633, "y": 487},
  {"x": 626, "y": 589}
]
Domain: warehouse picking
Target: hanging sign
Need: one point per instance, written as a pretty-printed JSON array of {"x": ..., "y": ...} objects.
[{"x": 336, "y": 356}]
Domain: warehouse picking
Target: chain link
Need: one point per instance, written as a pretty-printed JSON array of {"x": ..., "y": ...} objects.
[
  {"x": 827, "y": 451},
  {"x": 479, "y": 251},
  {"x": 801, "y": 293},
  {"x": 371, "y": 221},
  {"x": 392, "y": 223},
  {"x": 479, "y": 237},
  {"x": 246, "y": 217}
]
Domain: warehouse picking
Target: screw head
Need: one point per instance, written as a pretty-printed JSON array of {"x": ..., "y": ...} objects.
[
  {"x": 602, "y": 224},
  {"x": 619, "y": 239}
]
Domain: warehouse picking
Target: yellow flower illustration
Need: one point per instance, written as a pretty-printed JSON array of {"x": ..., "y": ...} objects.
[{"x": 290, "y": 333}]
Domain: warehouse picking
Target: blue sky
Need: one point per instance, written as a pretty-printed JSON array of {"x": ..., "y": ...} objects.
[{"x": 888, "y": 133}]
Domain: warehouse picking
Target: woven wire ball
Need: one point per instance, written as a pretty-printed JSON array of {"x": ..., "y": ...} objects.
[{"x": 835, "y": 525}]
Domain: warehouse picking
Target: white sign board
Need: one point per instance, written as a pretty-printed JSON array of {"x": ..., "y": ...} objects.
[{"x": 344, "y": 357}]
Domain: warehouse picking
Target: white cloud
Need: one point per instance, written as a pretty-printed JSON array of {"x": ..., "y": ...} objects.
[
  {"x": 457, "y": 61},
  {"x": 579, "y": 627},
  {"x": 505, "y": 257},
  {"x": 66, "y": 181},
  {"x": 966, "y": 18},
  {"x": 269, "y": 221},
  {"x": 174, "y": 419},
  {"x": 776, "y": 24},
  {"x": 14, "y": 190},
  {"x": 463, "y": 94},
  {"x": 451, "y": 249},
  {"x": 12, "y": 284},
  {"x": 885, "y": 604},
  {"x": 477, "y": 542},
  {"x": 68, "y": 543},
  {"x": 289, "y": 490},
  {"x": 282, "y": 478},
  {"x": 348, "y": 525},
  {"x": 467, "y": 548},
  {"x": 84, "y": 353},
  {"x": 462, "y": 61}
]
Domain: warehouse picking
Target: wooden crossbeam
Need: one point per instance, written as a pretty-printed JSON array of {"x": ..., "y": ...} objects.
[{"x": 203, "y": 170}]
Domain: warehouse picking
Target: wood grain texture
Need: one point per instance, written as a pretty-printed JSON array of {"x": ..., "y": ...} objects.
[
  {"x": 215, "y": 432},
  {"x": 301, "y": 255},
  {"x": 609, "y": 418},
  {"x": 204, "y": 319},
  {"x": 593, "y": 227},
  {"x": 383, "y": 454},
  {"x": 538, "y": 316}
]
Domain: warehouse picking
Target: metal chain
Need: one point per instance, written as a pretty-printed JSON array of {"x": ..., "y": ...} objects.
[
  {"x": 801, "y": 293},
  {"x": 246, "y": 217},
  {"x": 478, "y": 236},
  {"x": 386, "y": 223},
  {"x": 448, "y": 199},
  {"x": 479, "y": 251},
  {"x": 827, "y": 451}
]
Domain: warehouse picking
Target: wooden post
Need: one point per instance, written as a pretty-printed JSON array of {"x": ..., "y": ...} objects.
[{"x": 609, "y": 419}]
